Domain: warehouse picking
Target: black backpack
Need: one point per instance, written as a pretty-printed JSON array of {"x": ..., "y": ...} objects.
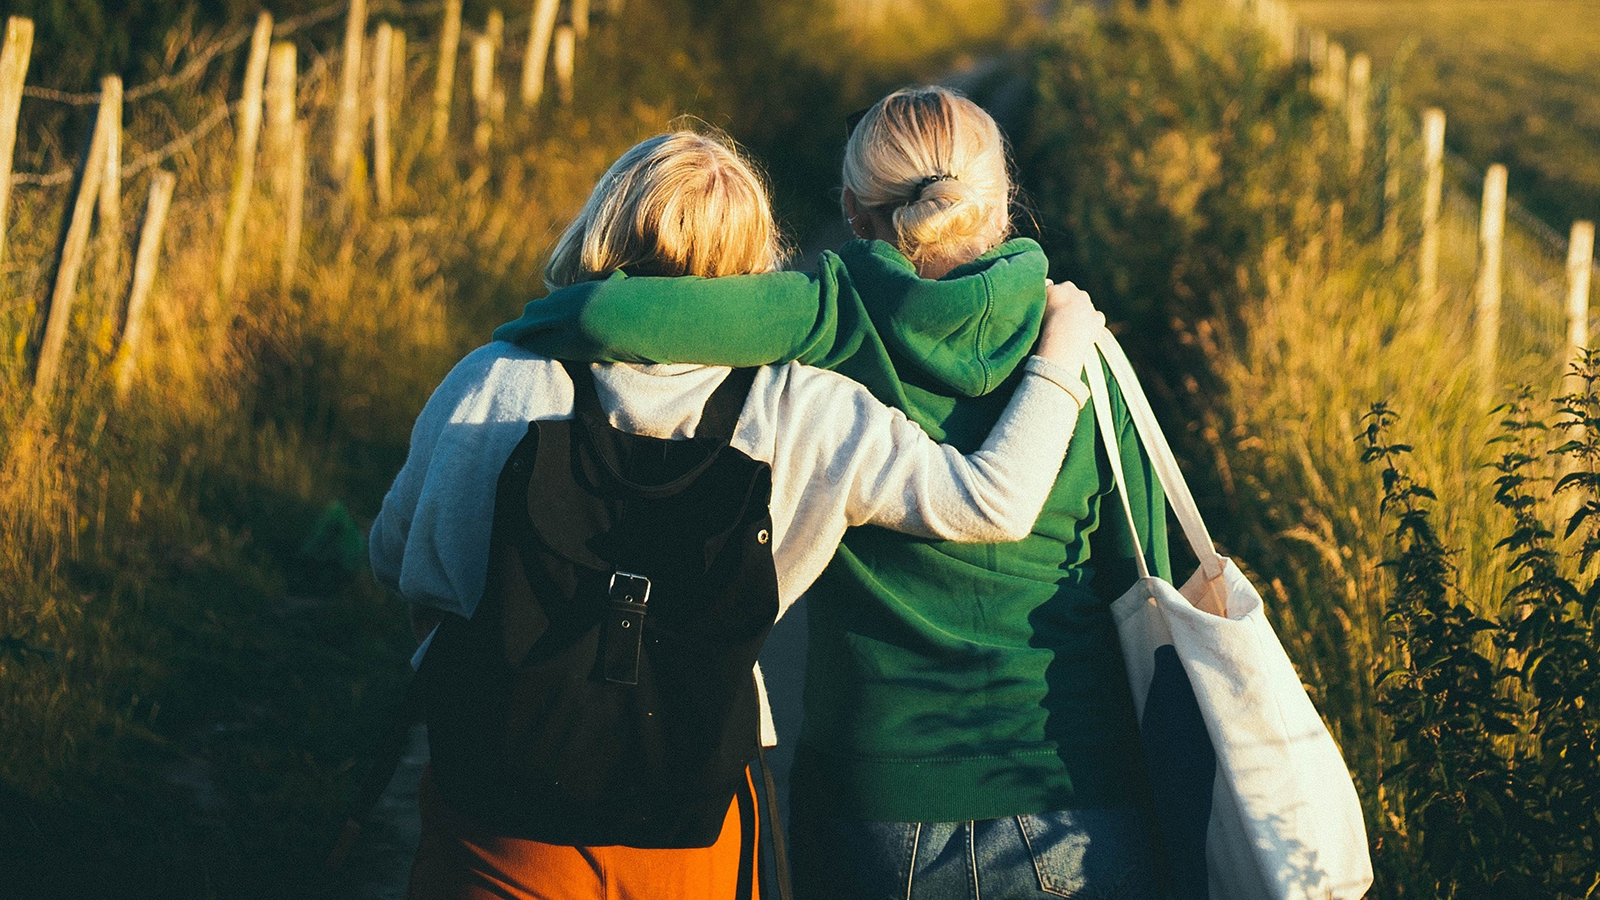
[{"x": 602, "y": 693}]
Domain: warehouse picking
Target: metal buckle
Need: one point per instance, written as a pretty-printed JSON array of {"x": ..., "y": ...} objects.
[{"x": 635, "y": 590}]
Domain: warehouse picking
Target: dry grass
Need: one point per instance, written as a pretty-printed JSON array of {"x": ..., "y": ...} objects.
[
  {"x": 1515, "y": 77},
  {"x": 186, "y": 673}
]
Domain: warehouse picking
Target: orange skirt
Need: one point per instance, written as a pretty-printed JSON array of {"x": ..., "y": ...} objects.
[{"x": 458, "y": 860}]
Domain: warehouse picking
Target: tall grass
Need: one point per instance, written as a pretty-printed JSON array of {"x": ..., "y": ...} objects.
[
  {"x": 1190, "y": 181},
  {"x": 191, "y": 653}
]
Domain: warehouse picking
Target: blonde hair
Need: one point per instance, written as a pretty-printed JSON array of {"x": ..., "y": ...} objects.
[
  {"x": 676, "y": 204},
  {"x": 938, "y": 162}
]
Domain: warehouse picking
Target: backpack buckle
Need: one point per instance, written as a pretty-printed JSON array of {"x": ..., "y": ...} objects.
[{"x": 628, "y": 594}]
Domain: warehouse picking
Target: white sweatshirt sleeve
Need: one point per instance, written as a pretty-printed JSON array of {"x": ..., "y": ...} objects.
[
  {"x": 430, "y": 541},
  {"x": 841, "y": 458}
]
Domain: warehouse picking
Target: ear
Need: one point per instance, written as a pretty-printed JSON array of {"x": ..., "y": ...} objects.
[{"x": 856, "y": 216}]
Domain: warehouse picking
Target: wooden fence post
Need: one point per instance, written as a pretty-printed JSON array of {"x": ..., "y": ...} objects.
[
  {"x": 1491, "y": 235},
  {"x": 444, "y": 86},
  {"x": 565, "y": 50},
  {"x": 348, "y": 117},
  {"x": 13, "y": 74},
  {"x": 397, "y": 69},
  {"x": 294, "y": 207},
  {"x": 1338, "y": 72},
  {"x": 1288, "y": 33},
  {"x": 540, "y": 30},
  {"x": 108, "y": 250},
  {"x": 1432, "y": 200},
  {"x": 495, "y": 28},
  {"x": 1317, "y": 58},
  {"x": 1359, "y": 102},
  {"x": 482, "y": 91},
  {"x": 282, "y": 73},
  {"x": 73, "y": 248},
  {"x": 580, "y": 19},
  {"x": 244, "y": 166},
  {"x": 144, "y": 276},
  {"x": 382, "y": 150},
  {"x": 1391, "y": 185},
  {"x": 1580, "y": 266}
]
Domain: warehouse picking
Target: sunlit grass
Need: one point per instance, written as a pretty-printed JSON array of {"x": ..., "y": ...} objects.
[{"x": 1516, "y": 78}]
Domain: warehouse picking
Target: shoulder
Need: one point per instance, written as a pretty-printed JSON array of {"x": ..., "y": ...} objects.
[
  {"x": 808, "y": 405},
  {"x": 501, "y": 381}
]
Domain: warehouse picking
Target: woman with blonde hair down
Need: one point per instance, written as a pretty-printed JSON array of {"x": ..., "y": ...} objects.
[
  {"x": 969, "y": 728},
  {"x": 561, "y": 766}
]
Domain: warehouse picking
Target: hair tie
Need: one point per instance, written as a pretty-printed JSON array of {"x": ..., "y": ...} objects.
[{"x": 923, "y": 184}]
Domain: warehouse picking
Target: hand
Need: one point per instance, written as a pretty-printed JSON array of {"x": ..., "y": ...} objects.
[{"x": 1070, "y": 325}]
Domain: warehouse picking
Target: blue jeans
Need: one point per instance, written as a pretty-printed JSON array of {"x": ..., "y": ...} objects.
[{"x": 1083, "y": 854}]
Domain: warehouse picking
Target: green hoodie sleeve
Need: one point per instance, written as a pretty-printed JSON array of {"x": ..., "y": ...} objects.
[{"x": 733, "y": 320}]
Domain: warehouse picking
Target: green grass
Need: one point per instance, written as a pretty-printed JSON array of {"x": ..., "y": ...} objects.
[
  {"x": 193, "y": 657},
  {"x": 1203, "y": 196},
  {"x": 1516, "y": 78}
]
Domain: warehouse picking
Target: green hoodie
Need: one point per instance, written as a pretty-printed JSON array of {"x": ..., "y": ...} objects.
[{"x": 944, "y": 681}]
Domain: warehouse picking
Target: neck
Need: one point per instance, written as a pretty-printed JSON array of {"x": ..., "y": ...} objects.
[{"x": 938, "y": 266}]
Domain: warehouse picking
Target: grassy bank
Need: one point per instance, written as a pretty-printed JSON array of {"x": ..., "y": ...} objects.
[
  {"x": 1191, "y": 181},
  {"x": 1516, "y": 79},
  {"x": 192, "y": 655}
]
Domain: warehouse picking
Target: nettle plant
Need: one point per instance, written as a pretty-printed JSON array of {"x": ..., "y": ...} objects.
[{"x": 1495, "y": 704}]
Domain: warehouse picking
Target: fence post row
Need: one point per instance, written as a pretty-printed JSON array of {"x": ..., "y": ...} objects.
[
  {"x": 1580, "y": 266},
  {"x": 382, "y": 90},
  {"x": 482, "y": 91},
  {"x": 108, "y": 249},
  {"x": 14, "y": 60},
  {"x": 1356, "y": 109},
  {"x": 1317, "y": 56},
  {"x": 495, "y": 28},
  {"x": 398, "y": 73},
  {"x": 1491, "y": 239},
  {"x": 444, "y": 86},
  {"x": 1338, "y": 73},
  {"x": 348, "y": 117},
  {"x": 1432, "y": 200},
  {"x": 1391, "y": 186},
  {"x": 144, "y": 276},
  {"x": 244, "y": 169},
  {"x": 540, "y": 32},
  {"x": 565, "y": 50},
  {"x": 294, "y": 207},
  {"x": 77, "y": 241},
  {"x": 579, "y": 10},
  {"x": 282, "y": 75}
]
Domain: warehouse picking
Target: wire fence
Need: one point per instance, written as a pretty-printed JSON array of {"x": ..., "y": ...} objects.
[
  {"x": 366, "y": 85},
  {"x": 1519, "y": 263}
]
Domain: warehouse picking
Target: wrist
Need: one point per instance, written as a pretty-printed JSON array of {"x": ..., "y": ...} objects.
[{"x": 1068, "y": 378}]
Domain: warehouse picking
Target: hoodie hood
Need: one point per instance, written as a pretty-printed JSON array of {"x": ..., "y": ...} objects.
[{"x": 963, "y": 334}]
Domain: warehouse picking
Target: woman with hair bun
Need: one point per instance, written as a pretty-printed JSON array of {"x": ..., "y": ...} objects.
[
  {"x": 969, "y": 729},
  {"x": 547, "y": 780}
]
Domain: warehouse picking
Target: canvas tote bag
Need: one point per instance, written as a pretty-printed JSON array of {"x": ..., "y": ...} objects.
[{"x": 1251, "y": 792}]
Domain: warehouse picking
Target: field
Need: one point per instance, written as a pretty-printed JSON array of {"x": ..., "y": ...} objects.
[
  {"x": 1517, "y": 79},
  {"x": 192, "y": 653},
  {"x": 1209, "y": 197},
  {"x": 194, "y": 660}
]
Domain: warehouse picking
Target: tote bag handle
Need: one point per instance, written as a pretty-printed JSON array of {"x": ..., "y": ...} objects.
[{"x": 1162, "y": 460}]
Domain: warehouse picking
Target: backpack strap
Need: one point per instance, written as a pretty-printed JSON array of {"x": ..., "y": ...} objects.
[{"x": 717, "y": 420}]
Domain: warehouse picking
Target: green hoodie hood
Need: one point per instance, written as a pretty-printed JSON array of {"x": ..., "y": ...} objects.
[{"x": 966, "y": 332}]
